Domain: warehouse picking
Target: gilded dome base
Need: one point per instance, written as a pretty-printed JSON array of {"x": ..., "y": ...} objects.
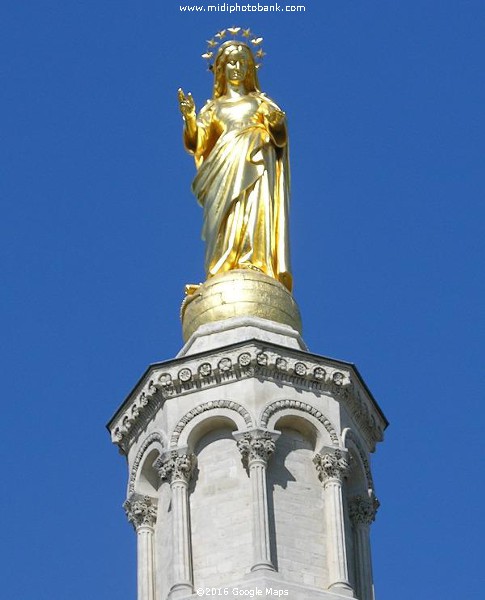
[{"x": 239, "y": 293}]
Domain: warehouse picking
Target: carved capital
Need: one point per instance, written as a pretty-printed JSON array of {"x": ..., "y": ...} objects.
[
  {"x": 331, "y": 464},
  {"x": 141, "y": 511},
  {"x": 176, "y": 467},
  {"x": 363, "y": 510},
  {"x": 256, "y": 445}
]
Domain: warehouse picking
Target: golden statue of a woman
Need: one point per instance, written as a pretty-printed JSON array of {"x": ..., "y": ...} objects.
[{"x": 240, "y": 145}]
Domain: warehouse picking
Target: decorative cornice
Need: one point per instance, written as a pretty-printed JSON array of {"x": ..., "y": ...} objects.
[
  {"x": 331, "y": 464},
  {"x": 142, "y": 408},
  {"x": 174, "y": 467},
  {"x": 363, "y": 510},
  {"x": 256, "y": 445},
  {"x": 254, "y": 359},
  {"x": 141, "y": 511}
]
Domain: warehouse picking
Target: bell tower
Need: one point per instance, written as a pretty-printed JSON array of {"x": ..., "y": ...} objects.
[
  {"x": 249, "y": 468},
  {"x": 248, "y": 455}
]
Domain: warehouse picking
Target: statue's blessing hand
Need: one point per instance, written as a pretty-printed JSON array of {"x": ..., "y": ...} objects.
[{"x": 186, "y": 103}]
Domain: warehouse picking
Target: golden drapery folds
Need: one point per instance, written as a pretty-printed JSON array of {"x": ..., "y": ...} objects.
[{"x": 240, "y": 145}]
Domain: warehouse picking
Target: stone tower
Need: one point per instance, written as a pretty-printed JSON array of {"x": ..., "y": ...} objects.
[{"x": 248, "y": 458}]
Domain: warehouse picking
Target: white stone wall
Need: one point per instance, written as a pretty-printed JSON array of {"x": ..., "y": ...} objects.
[
  {"x": 192, "y": 410},
  {"x": 295, "y": 499},
  {"x": 220, "y": 512}
]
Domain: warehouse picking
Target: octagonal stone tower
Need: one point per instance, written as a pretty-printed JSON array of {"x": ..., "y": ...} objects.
[{"x": 249, "y": 468}]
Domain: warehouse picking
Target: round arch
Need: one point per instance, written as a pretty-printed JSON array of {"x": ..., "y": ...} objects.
[
  {"x": 353, "y": 444},
  {"x": 287, "y": 408},
  {"x": 195, "y": 423},
  {"x": 142, "y": 474}
]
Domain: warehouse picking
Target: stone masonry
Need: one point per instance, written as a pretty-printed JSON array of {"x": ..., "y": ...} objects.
[{"x": 249, "y": 469}]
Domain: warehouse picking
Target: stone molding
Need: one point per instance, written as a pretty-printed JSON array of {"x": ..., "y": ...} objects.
[
  {"x": 221, "y": 333},
  {"x": 331, "y": 464},
  {"x": 141, "y": 410},
  {"x": 256, "y": 445},
  {"x": 349, "y": 436},
  {"x": 207, "y": 406},
  {"x": 363, "y": 510},
  {"x": 280, "y": 405},
  {"x": 174, "y": 467},
  {"x": 256, "y": 359},
  {"x": 141, "y": 511},
  {"x": 151, "y": 439}
]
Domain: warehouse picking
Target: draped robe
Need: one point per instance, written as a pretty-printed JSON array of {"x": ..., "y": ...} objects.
[{"x": 242, "y": 183}]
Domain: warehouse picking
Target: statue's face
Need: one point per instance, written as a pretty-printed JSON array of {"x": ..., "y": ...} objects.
[{"x": 236, "y": 64}]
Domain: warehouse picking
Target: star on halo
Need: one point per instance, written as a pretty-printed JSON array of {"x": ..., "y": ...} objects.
[{"x": 245, "y": 35}]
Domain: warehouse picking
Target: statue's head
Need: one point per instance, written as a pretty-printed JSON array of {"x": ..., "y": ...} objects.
[{"x": 234, "y": 61}]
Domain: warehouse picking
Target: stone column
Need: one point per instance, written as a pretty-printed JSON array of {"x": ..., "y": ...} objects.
[
  {"x": 362, "y": 512},
  {"x": 177, "y": 469},
  {"x": 256, "y": 446},
  {"x": 332, "y": 467},
  {"x": 142, "y": 513}
]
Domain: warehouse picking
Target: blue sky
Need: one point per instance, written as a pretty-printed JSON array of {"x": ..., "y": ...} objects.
[{"x": 99, "y": 234}]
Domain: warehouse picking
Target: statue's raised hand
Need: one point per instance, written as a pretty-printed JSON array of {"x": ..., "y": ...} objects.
[{"x": 187, "y": 104}]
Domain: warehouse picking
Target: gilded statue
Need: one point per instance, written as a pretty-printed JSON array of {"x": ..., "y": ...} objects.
[{"x": 239, "y": 141}]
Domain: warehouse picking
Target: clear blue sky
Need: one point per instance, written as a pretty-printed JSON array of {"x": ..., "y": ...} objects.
[{"x": 99, "y": 234}]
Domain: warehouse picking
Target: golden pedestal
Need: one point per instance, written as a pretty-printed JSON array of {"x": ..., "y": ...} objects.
[{"x": 239, "y": 293}]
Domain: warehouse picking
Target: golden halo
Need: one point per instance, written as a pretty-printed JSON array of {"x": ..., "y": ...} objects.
[{"x": 235, "y": 33}]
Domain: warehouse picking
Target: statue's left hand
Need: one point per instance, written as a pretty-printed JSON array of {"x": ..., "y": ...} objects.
[
  {"x": 275, "y": 118},
  {"x": 275, "y": 123}
]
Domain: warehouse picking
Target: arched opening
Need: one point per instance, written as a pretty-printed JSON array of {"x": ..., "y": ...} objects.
[
  {"x": 148, "y": 481},
  {"x": 220, "y": 503},
  {"x": 208, "y": 424},
  {"x": 295, "y": 504}
]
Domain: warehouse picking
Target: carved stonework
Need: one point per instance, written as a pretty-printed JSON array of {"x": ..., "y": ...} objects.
[
  {"x": 191, "y": 374},
  {"x": 176, "y": 467},
  {"x": 363, "y": 510},
  {"x": 256, "y": 447},
  {"x": 331, "y": 465},
  {"x": 141, "y": 511},
  {"x": 351, "y": 440},
  {"x": 153, "y": 437},
  {"x": 280, "y": 405},
  {"x": 201, "y": 408}
]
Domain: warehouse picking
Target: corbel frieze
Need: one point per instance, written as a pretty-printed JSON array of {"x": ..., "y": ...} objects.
[{"x": 256, "y": 360}]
